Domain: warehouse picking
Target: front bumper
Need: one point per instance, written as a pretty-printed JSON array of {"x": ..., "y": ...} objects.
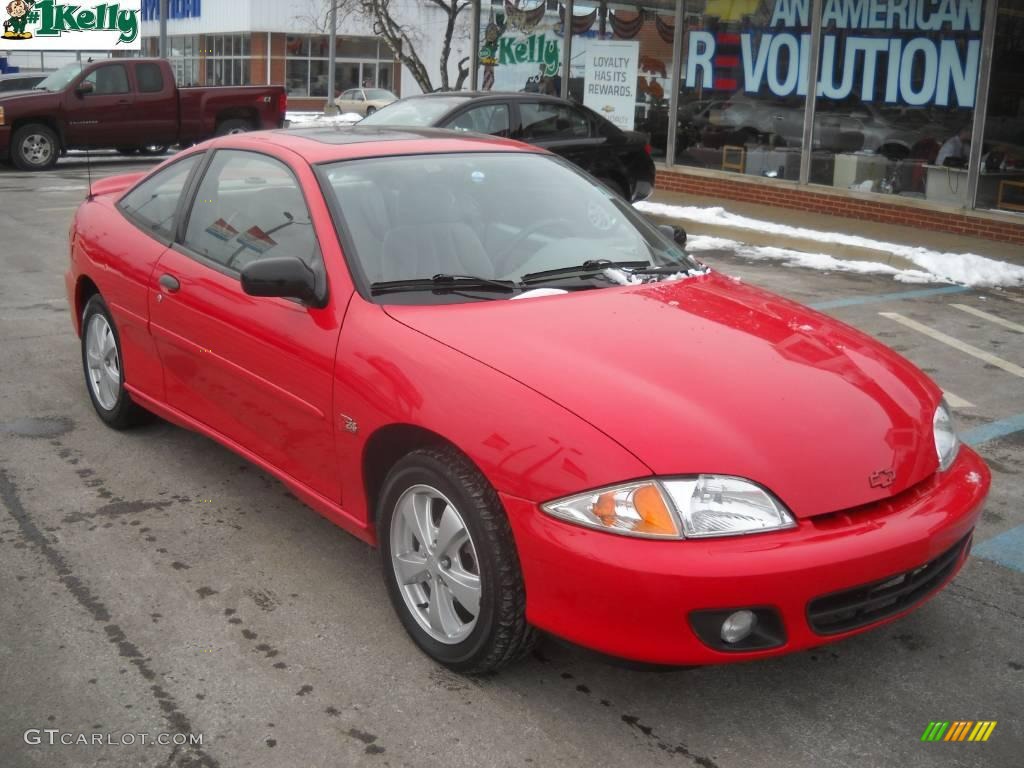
[{"x": 633, "y": 598}]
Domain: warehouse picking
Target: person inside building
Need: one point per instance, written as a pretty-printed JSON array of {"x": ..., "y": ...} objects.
[{"x": 954, "y": 151}]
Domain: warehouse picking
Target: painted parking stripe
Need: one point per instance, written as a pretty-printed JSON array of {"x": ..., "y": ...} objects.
[
  {"x": 990, "y": 317},
  {"x": 963, "y": 346},
  {"x": 1006, "y": 549},
  {"x": 955, "y": 401},
  {"x": 993, "y": 430},
  {"x": 877, "y": 298}
]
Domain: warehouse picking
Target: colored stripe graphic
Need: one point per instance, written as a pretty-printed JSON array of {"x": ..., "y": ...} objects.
[{"x": 958, "y": 730}]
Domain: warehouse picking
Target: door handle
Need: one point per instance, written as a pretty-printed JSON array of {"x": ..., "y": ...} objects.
[{"x": 169, "y": 283}]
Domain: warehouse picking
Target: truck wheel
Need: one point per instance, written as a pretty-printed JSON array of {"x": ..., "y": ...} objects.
[
  {"x": 127, "y": 151},
  {"x": 153, "y": 150},
  {"x": 234, "y": 126},
  {"x": 35, "y": 148}
]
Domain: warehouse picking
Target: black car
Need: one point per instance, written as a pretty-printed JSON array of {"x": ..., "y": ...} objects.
[
  {"x": 620, "y": 159},
  {"x": 21, "y": 81}
]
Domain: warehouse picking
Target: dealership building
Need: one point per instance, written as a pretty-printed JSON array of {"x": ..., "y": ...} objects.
[{"x": 917, "y": 118}]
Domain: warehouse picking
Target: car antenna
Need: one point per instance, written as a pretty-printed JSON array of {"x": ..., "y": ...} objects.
[{"x": 88, "y": 173}]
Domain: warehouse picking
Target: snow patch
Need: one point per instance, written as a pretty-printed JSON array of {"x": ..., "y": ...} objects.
[
  {"x": 967, "y": 269},
  {"x": 319, "y": 118}
]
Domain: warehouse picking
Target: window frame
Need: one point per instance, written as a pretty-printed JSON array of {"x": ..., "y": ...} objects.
[
  {"x": 138, "y": 78},
  {"x": 163, "y": 236},
  {"x": 179, "y": 244},
  {"x": 95, "y": 71},
  {"x": 447, "y": 121}
]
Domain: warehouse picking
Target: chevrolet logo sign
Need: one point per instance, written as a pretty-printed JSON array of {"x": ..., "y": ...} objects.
[{"x": 883, "y": 478}]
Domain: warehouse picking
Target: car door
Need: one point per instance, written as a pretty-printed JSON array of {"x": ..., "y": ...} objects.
[
  {"x": 156, "y": 106},
  {"x": 346, "y": 101},
  {"x": 256, "y": 370},
  {"x": 103, "y": 116},
  {"x": 492, "y": 118}
]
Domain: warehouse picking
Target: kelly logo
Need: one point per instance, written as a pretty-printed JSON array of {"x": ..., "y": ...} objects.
[
  {"x": 958, "y": 730},
  {"x": 47, "y": 24}
]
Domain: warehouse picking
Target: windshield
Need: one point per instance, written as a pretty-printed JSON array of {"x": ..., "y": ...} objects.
[
  {"x": 379, "y": 94},
  {"x": 413, "y": 111},
  {"x": 493, "y": 216},
  {"x": 58, "y": 80}
]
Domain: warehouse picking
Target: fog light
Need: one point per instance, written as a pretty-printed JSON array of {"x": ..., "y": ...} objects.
[{"x": 738, "y": 626}]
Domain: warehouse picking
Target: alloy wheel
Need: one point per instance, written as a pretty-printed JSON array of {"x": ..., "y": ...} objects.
[
  {"x": 103, "y": 362},
  {"x": 435, "y": 564},
  {"x": 37, "y": 149}
]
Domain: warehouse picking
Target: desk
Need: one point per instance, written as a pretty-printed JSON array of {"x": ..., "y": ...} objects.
[{"x": 949, "y": 185}]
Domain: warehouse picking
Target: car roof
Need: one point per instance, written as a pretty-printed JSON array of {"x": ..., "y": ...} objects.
[{"x": 327, "y": 143}]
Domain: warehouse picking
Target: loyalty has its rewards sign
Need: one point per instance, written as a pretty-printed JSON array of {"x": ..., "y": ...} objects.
[{"x": 47, "y": 25}]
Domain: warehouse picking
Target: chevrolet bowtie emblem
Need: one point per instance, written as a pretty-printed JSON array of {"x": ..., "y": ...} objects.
[{"x": 883, "y": 478}]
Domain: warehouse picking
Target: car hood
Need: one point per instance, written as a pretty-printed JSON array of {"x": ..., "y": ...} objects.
[
  {"x": 35, "y": 99},
  {"x": 710, "y": 375}
]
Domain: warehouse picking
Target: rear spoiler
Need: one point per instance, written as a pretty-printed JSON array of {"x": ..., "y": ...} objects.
[{"x": 113, "y": 184}]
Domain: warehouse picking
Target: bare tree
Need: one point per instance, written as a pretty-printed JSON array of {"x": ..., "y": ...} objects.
[{"x": 386, "y": 19}]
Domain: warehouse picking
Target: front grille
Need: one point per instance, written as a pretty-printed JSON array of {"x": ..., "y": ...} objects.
[{"x": 868, "y": 603}]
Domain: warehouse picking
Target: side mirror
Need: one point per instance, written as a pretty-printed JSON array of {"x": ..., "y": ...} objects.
[
  {"x": 286, "y": 277},
  {"x": 673, "y": 233},
  {"x": 85, "y": 87}
]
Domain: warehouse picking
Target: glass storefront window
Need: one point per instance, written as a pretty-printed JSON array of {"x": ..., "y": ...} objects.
[
  {"x": 735, "y": 112},
  {"x": 384, "y": 75},
  {"x": 297, "y": 77},
  {"x": 318, "y": 77},
  {"x": 895, "y": 100},
  {"x": 1001, "y": 178}
]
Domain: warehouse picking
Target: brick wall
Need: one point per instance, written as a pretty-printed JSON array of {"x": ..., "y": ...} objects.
[{"x": 820, "y": 201}]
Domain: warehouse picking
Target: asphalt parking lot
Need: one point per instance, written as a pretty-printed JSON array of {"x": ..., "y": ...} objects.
[{"x": 153, "y": 582}]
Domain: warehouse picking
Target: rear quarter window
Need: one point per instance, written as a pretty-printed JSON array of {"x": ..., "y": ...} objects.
[{"x": 150, "y": 77}]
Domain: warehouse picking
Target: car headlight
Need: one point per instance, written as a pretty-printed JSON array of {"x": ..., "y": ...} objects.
[
  {"x": 676, "y": 508},
  {"x": 947, "y": 444}
]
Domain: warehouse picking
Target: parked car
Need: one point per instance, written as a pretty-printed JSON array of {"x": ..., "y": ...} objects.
[
  {"x": 364, "y": 101},
  {"x": 20, "y": 81},
  {"x": 544, "y": 412},
  {"x": 620, "y": 159},
  {"x": 125, "y": 104}
]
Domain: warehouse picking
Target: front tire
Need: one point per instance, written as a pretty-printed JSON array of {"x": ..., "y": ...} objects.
[
  {"x": 35, "y": 147},
  {"x": 450, "y": 563},
  {"x": 103, "y": 368}
]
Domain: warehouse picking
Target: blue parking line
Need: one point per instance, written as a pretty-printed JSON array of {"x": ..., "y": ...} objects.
[
  {"x": 877, "y": 298},
  {"x": 993, "y": 430},
  {"x": 1006, "y": 548}
]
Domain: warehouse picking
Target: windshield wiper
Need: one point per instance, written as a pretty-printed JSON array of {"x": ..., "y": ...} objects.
[
  {"x": 444, "y": 282},
  {"x": 590, "y": 266}
]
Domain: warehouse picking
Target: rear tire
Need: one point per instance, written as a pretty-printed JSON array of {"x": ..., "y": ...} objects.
[
  {"x": 470, "y": 629},
  {"x": 370, "y": 111},
  {"x": 153, "y": 150},
  {"x": 104, "y": 371},
  {"x": 35, "y": 147},
  {"x": 234, "y": 126}
]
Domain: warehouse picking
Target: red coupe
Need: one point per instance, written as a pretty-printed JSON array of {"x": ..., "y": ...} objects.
[{"x": 542, "y": 410}]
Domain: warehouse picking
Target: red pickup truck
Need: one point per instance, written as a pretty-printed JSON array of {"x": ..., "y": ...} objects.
[{"x": 128, "y": 105}]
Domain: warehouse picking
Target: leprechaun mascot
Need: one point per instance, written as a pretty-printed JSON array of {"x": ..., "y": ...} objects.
[{"x": 14, "y": 27}]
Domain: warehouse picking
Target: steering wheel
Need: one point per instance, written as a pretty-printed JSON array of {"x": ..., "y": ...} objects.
[{"x": 502, "y": 261}]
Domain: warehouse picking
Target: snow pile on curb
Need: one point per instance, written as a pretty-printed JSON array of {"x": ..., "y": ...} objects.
[
  {"x": 319, "y": 118},
  {"x": 967, "y": 269}
]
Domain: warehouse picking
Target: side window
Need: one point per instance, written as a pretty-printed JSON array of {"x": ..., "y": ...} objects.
[
  {"x": 151, "y": 79},
  {"x": 357, "y": 95},
  {"x": 487, "y": 118},
  {"x": 347, "y": 96},
  {"x": 154, "y": 203},
  {"x": 249, "y": 206},
  {"x": 112, "y": 78},
  {"x": 548, "y": 121}
]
